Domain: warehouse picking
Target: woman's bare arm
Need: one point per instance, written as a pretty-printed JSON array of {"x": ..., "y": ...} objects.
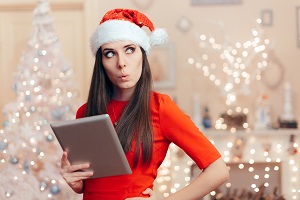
[{"x": 209, "y": 179}]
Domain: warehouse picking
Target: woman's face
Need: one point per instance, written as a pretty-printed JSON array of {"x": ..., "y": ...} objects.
[{"x": 122, "y": 61}]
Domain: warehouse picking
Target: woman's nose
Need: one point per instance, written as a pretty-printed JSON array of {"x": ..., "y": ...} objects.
[
  {"x": 122, "y": 65},
  {"x": 121, "y": 61}
]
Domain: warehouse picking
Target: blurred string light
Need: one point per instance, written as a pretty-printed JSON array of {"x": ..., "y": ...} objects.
[
  {"x": 168, "y": 181},
  {"x": 265, "y": 157},
  {"x": 232, "y": 67},
  {"x": 174, "y": 173}
]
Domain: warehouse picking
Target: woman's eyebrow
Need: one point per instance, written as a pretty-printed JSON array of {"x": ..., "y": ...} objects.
[
  {"x": 110, "y": 49},
  {"x": 129, "y": 45},
  {"x": 107, "y": 49}
]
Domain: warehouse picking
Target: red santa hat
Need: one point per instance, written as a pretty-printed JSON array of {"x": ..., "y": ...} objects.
[{"x": 125, "y": 24}]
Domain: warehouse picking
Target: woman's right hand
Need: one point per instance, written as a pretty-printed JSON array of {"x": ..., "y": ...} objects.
[{"x": 72, "y": 174}]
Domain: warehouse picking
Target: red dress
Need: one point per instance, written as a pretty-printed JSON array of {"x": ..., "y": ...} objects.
[{"x": 170, "y": 125}]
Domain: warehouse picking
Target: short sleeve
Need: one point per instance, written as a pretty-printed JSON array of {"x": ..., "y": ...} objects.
[{"x": 181, "y": 130}]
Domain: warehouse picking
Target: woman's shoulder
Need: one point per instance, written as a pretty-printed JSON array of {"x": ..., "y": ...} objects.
[
  {"x": 162, "y": 101},
  {"x": 160, "y": 97},
  {"x": 80, "y": 111}
]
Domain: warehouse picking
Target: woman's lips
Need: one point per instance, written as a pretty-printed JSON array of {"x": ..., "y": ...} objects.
[{"x": 124, "y": 77}]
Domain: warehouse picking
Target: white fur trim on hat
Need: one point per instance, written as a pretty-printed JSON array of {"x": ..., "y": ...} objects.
[
  {"x": 158, "y": 36},
  {"x": 117, "y": 30}
]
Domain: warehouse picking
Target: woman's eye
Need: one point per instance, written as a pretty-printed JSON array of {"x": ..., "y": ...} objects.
[
  {"x": 109, "y": 54},
  {"x": 130, "y": 50}
]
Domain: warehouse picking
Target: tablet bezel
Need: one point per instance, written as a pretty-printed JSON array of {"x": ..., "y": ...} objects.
[{"x": 93, "y": 140}]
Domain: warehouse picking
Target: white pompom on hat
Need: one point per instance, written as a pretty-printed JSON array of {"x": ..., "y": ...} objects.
[{"x": 125, "y": 24}]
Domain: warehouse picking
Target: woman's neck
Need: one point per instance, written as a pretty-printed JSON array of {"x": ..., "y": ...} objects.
[{"x": 123, "y": 94}]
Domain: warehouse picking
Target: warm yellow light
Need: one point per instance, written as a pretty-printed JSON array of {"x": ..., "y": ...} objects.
[
  {"x": 267, "y": 176},
  {"x": 191, "y": 61},
  {"x": 241, "y": 166}
]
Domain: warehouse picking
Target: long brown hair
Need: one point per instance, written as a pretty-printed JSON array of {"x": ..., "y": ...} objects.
[{"x": 135, "y": 121}]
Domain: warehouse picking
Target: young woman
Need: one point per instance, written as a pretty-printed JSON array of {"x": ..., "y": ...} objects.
[{"x": 145, "y": 121}]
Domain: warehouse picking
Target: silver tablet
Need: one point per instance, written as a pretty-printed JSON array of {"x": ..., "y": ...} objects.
[{"x": 93, "y": 140}]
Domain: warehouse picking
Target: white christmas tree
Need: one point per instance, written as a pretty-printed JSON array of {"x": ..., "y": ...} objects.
[{"x": 46, "y": 92}]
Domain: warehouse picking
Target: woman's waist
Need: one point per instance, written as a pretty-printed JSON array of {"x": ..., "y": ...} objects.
[
  {"x": 117, "y": 186},
  {"x": 112, "y": 194}
]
